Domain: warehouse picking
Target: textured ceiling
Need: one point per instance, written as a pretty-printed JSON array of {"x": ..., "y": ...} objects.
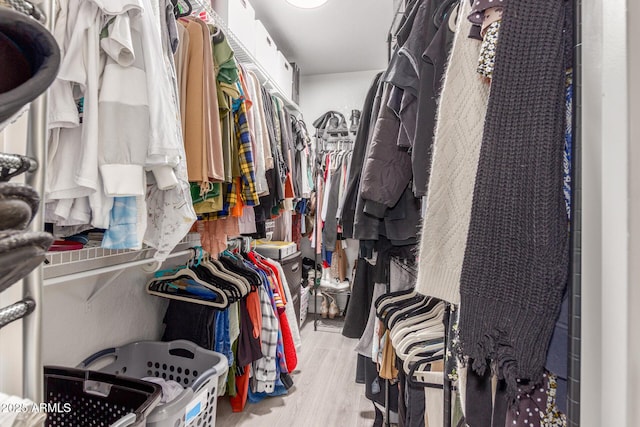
[{"x": 341, "y": 36}]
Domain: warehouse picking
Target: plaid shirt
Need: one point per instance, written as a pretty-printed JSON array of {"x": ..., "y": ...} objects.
[
  {"x": 245, "y": 156},
  {"x": 247, "y": 179}
]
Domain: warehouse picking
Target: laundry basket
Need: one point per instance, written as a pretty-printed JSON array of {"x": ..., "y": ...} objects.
[
  {"x": 201, "y": 372},
  {"x": 77, "y": 397}
]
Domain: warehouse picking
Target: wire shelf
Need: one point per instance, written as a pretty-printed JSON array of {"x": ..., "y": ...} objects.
[
  {"x": 245, "y": 57},
  {"x": 92, "y": 256}
]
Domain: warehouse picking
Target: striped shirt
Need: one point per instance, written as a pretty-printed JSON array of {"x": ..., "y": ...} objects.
[{"x": 264, "y": 370}]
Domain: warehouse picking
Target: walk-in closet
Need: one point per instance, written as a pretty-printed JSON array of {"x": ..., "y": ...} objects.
[{"x": 319, "y": 213}]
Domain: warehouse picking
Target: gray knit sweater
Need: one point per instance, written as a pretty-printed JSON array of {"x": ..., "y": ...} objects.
[{"x": 516, "y": 259}]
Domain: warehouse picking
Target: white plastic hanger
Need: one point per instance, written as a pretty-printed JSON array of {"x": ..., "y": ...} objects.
[
  {"x": 390, "y": 319},
  {"x": 432, "y": 329},
  {"x": 190, "y": 274},
  {"x": 415, "y": 323}
]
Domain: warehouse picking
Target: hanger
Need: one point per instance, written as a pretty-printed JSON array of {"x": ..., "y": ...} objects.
[
  {"x": 178, "y": 11},
  {"x": 410, "y": 318},
  {"x": 396, "y": 311},
  {"x": 419, "y": 340},
  {"x": 414, "y": 323},
  {"x": 236, "y": 288},
  {"x": 410, "y": 337},
  {"x": 429, "y": 319},
  {"x": 216, "y": 33},
  {"x": 418, "y": 376},
  {"x": 160, "y": 286},
  {"x": 426, "y": 351},
  {"x": 444, "y": 12},
  {"x": 237, "y": 266},
  {"x": 208, "y": 275},
  {"x": 432, "y": 352},
  {"x": 239, "y": 277},
  {"x": 433, "y": 331},
  {"x": 174, "y": 270},
  {"x": 239, "y": 281},
  {"x": 173, "y": 284},
  {"x": 384, "y": 300},
  {"x": 415, "y": 301}
]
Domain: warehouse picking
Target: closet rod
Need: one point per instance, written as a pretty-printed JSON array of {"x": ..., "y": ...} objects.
[
  {"x": 32, "y": 371},
  {"x": 111, "y": 268}
]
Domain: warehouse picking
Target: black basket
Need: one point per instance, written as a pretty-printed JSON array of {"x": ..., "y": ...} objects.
[{"x": 77, "y": 397}]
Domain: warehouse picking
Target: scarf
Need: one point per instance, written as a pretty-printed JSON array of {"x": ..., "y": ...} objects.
[{"x": 516, "y": 260}]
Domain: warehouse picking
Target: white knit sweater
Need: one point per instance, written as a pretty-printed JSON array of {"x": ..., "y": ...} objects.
[{"x": 457, "y": 142}]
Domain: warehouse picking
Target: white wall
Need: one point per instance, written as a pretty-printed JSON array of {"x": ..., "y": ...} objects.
[
  {"x": 340, "y": 92},
  {"x": 107, "y": 310},
  {"x": 605, "y": 399},
  {"x": 634, "y": 212}
]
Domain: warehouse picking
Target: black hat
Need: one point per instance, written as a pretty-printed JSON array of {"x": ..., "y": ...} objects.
[{"x": 29, "y": 61}]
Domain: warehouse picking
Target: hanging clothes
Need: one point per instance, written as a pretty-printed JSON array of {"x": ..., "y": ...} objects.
[
  {"x": 387, "y": 170},
  {"x": 169, "y": 210},
  {"x": 496, "y": 277},
  {"x": 195, "y": 145},
  {"x": 125, "y": 141},
  {"x": 360, "y": 145},
  {"x": 456, "y": 152},
  {"x": 257, "y": 332}
]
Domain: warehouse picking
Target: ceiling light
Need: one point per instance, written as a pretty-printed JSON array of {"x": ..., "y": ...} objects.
[{"x": 307, "y": 4}]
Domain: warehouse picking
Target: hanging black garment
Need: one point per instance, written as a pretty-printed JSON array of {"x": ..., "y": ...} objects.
[
  {"x": 483, "y": 409},
  {"x": 355, "y": 320},
  {"x": 249, "y": 348},
  {"x": 375, "y": 387},
  {"x": 189, "y": 321},
  {"x": 411, "y": 401},
  {"x": 434, "y": 62},
  {"x": 517, "y": 256},
  {"x": 357, "y": 159}
]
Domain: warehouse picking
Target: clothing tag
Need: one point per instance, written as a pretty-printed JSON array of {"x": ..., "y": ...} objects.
[
  {"x": 80, "y": 107},
  {"x": 375, "y": 386}
]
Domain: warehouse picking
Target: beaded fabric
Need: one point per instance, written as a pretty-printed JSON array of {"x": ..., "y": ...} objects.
[{"x": 516, "y": 260}]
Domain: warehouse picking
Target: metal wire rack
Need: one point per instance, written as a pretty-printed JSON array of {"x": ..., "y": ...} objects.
[
  {"x": 61, "y": 266},
  {"x": 203, "y": 9}
]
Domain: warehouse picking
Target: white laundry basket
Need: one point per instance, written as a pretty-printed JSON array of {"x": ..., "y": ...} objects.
[{"x": 202, "y": 373}]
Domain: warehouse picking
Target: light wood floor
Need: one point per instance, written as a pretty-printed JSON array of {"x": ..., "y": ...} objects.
[{"x": 325, "y": 393}]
